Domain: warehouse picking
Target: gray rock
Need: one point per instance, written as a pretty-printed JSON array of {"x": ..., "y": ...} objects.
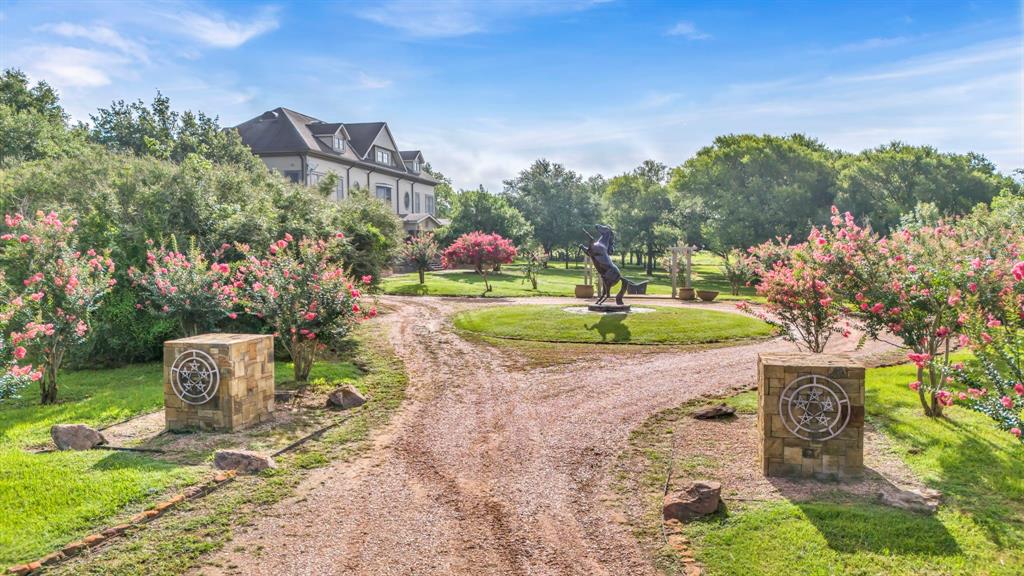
[
  {"x": 698, "y": 499},
  {"x": 716, "y": 411},
  {"x": 242, "y": 461},
  {"x": 345, "y": 397},
  {"x": 75, "y": 437},
  {"x": 925, "y": 500}
]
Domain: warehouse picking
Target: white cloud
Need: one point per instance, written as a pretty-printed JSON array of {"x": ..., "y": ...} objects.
[
  {"x": 688, "y": 30},
  {"x": 98, "y": 34},
  {"x": 218, "y": 31},
  {"x": 961, "y": 100},
  {"x": 372, "y": 83},
  {"x": 870, "y": 44},
  {"x": 70, "y": 67},
  {"x": 452, "y": 18}
]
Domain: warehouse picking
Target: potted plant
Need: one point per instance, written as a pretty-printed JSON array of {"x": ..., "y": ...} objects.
[{"x": 686, "y": 293}]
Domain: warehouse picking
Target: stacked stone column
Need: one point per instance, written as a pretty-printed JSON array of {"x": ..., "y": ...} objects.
[{"x": 810, "y": 415}]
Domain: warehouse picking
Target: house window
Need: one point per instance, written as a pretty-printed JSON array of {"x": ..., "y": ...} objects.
[
  {"x": 339, "y": 143},
  {"x": 418, "y": 206},
  {"x": 384, "y": 193},
  {"x": 383, "y": 156},
  {"x": 430, "y": 205},
  {"x": 416, "y": 166},
  {"x": 339, "y": 191},
  {"x": 314, "y": 178},
  {"x": 408, "y": 201},
  {"x": 293, "y": 175}
]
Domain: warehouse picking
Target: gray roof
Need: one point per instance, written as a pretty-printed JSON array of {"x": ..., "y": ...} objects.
[
  {"x": 410, "y": 154},
  {"x": 286, "y": 131},
  {"x": 363, "y": 134}
]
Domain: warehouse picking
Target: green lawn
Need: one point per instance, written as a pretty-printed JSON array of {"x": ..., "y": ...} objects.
[
  {"x": 554, "y": 281},
  {"x": 663, "y": 326},
  {"x": 49, "y": 499},
  {"x": 979, "y": 530}
]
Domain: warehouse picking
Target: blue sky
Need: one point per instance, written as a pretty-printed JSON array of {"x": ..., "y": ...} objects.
[{"x": 483, "y": 88}]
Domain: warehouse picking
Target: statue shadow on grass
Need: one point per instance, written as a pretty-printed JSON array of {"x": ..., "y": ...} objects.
[
  {"x": 611, "y": 325},
  {"x": 856, "y": 523}
]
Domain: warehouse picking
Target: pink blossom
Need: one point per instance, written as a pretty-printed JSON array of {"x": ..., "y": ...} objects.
[
  {"x": 310, "y": 316},
  {"x": 355, "y": 308},
  {"x": 915, "y": 385},
  {"x": 1007, "y": 402},
  {"x": 1015, "y": 431},
  {"x": 1018, "y": 388},
  {"x": 1018, "y": 271},
  {"x": 20, "y": 352},
  {"x": 919, "y": 359},
  {"x": 232, "y": 315}
]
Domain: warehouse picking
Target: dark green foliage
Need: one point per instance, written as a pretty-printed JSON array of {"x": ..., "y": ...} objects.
[
  {"x": 884, "y": 182},
  {"x": 123, "y": 334},
  {"x": 637, "y": 206},
  {"x": 32, "y": 122},
  {"x": 556, "y": 201},
  {"x": 481, "y": 211},
  {"x": 374, "y": 234}
]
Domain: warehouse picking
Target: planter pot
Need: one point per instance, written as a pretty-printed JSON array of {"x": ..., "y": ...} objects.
[
  {"x": 685, "y": 293},
  {"x": 584, "y": 290},
  {"x": 707, "y": 295}
]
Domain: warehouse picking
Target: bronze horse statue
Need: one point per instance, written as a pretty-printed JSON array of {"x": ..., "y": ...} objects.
[{"x": 600, "y": 251}]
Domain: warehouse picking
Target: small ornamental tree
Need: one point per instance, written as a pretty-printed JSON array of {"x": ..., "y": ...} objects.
[
  {"x": 481, "y": 251},
  {"x": 911, "y": 285},
  {"x": 60, "y": 288},
  {"x": 740, "y": 270},
  {"x": 420, "y": 251},
  {"x": 300, "y": 289},
  {"x": 994, "y": 383},
  {"x": 536, "y": 260},
  {"x": 196, "y": 291},
  {"x": 14, "y": 373},
  {"x": 800, "y": 299}
]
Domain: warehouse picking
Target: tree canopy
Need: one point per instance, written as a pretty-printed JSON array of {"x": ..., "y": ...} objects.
[
  {"x": 555, "y": 201},
  {"x": 479, "y": 210}
]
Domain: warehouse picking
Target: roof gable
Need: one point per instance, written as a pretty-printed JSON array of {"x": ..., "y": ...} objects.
[{"x": 363, "y": 134}]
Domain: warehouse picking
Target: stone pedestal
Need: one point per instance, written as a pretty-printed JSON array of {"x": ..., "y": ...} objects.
[
  {"x": 219, "y": 382},
  {"x": 609, "y": 308},
  {"x": 810, "y": 415}
]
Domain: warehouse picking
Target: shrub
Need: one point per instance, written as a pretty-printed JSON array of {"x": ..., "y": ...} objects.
[
  {"x": 300, "y": 290},
  {"x": 800, "y": 298},
  {"x": 14, "y": 374},
  {"x": 739, "y": 269},
  {"x": 994, "y": 384},
  {"x": 482, "y": 251},
  {"x": 536, "y": 260},
  {"x": 420, "y": 251},
  {"x": 61, "y": 287},
  {"x": 123, "y": 334},
  {"x": 195, "y": 291}
]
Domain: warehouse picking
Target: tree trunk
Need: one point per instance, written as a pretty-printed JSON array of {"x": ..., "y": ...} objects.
[
  {"x": 422, "y": 278},
  {"x": 566, "y": 258},
  {"x": 303, "y": 356},
  {"x": 48, "y": 383}
]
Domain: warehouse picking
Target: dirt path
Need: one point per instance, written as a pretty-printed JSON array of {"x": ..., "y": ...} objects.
[{"x": 487, "y": 469}]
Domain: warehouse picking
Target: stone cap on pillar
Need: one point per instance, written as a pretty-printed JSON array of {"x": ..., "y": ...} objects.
[
  {"x": 809, "y": 359},
  {"x": 218, "y": 338}
]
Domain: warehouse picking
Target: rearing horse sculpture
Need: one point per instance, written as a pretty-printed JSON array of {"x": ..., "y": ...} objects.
[{"x": 600, "y": 252}]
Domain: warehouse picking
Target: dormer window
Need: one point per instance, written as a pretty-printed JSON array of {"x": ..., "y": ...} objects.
[
  {"x": 383, "y": 156},
  {"x": 416, "y": 166},
  {"x": 339, "y": 143}
]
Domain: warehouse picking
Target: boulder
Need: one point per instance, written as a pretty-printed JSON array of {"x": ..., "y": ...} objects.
[
  {"x": 76, "y": 437},
  {"x": 242, "y": 461},
  {"x": 925, "y": 500},
  {"x": 716, "y": 411},
  {"x": 345, "y": 397},
  {"x": 698, "y": 499}
]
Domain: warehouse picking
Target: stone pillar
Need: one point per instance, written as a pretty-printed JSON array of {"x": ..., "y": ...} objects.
[
  {"x": 219, "y": 382},
  {"x": 810, "y": 415}
]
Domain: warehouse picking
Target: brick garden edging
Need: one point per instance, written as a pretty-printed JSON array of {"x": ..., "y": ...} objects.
[{"x": 93, "y": 540}]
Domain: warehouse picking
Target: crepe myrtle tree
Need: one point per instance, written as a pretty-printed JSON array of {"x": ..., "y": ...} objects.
[
  {"x": 421, "y": 251},
  {"x": 60, "y": 287},
  {"x": 301, "y": 290},
  {"x": 912, "y": 285},
  {"x": 15, "y": 374},
  {"x": 481, "y": 251},
  {"x": 993, "y": 384},
  {"x": 195, "y": 290},
  {"x": 801, "y": 300}
]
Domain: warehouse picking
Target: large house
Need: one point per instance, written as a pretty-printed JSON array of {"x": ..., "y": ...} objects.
[{"x": 362, "y": 155}]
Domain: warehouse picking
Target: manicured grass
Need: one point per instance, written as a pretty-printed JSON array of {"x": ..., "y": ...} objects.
[
  {"x": 177, "y": 543},
  {"x": 49, "y": 499},
  {"x": 979, "y": 529},
  {"x": 663, "y": 326},
  {"x": 554, "y": 281}
]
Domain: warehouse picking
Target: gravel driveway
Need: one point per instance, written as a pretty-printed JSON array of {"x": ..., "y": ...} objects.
[{"x": 488, "y": 468}]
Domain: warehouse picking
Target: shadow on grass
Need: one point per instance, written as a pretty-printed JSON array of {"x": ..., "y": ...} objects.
[
  {"x": 611, "y": 325},
  {"x": 135, "y": 461},
  {"x": 410, "y": 290},
  {"x": 856, "y": 527},
  {"x": 973, "y": 472}
]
